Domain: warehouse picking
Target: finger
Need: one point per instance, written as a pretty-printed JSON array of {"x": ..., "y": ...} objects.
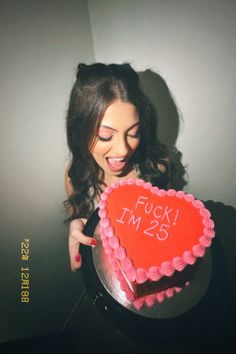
[
  {"x": 75, "y": 256},
  {"x": 81, "y": 238},
  {"x": 76, "y": 263}
]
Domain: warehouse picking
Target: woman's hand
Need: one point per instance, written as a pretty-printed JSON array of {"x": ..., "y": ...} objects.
[{"x": 76, "y": 237}]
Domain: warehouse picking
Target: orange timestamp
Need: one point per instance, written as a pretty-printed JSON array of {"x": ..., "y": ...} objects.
[{"x": 25, "y": 272}]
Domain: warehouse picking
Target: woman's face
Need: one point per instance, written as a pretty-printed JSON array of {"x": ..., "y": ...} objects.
[{"x": 117, "y": 138}]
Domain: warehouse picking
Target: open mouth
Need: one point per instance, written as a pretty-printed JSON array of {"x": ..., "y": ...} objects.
[{"x": 116, "y": 163}]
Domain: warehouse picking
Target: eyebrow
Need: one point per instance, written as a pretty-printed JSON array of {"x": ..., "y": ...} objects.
[{"x": 115, "y": 130}]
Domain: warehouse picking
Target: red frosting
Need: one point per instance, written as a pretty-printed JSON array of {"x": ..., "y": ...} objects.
[{"x": 152, "y": 232}]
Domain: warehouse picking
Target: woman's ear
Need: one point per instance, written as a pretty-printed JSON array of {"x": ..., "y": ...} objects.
[{"x": 68, "y": 185}]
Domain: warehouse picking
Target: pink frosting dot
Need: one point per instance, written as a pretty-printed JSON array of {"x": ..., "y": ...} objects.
[
  {"x": 154, "y": 273},
  {"x": 104, "y": 222},
  {"x": 211, "y": 224},
  {"x": 154, "y": 190},
  {"x": 178, "y": 289},
  {"x": 138, "y": 303},
  {"x": 161, "y": 193},
  {"x": 112, "y": 258},
  {"x": 205, "y": 213},
  {"x": 108, "y": 189},
  {"x": 108, "y": 249},
  {"x": 211, "y": 234},
  {"x": 189, "y": 198},
  {"x": 139, "y": 182},
  {"x": 171, "y": 193},
  {"x": 205, "y": 241},
  {"x": 208, "y": 223},
  {"x": 115, "y": 185},
  {"x": 178, "y": 263},
  {"x": 150, "y": 300},
  {"x": 147, "y": 185},
  {"x": 102, "y": 204},
  {"x": 169, "y": 292},
  {"x": 104, "y": 196},
  {"x": 160, "y": 296},
  {"x": 208, "y": 232},
  {"x": 131, "y": 181},
  {"x": 120, "y": 253},
  {"x": 180, "y": 194},
  {"x": 141, "y": 275},
  {"x": 109, "y": 231},
  {"x": 102, "y": 213},
  {"x": 126, "y": 264},
  {"x": 198, "y": 204},
  {"x": 167, "y": 269},
  {"x": 189, "y": 258},
  {"x": 114, "y": 242},
  {"x": 131, "y": 274},
  {"x": 123, "y": 182},
  {"x": 198, "y": 250}
]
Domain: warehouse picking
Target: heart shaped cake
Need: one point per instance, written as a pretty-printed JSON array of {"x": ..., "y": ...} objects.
[{"x": 151, "y": 235}]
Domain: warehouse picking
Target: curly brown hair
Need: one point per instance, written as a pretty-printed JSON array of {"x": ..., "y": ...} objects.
[{"x": 96, "y": 87}]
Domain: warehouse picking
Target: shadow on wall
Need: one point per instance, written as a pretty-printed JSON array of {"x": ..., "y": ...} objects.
[{"x": 168, "y": 115}]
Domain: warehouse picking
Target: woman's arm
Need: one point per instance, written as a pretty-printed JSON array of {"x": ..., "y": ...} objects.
[{"x": 76, "y": 227}]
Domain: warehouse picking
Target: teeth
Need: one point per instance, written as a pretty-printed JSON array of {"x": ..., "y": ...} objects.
[
  {"x": 116, "y": 163},
  {"x": 116, "y": 158}
]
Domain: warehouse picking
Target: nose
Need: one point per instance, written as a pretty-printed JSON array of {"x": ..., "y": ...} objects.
[{"x": 121, "y": 147}]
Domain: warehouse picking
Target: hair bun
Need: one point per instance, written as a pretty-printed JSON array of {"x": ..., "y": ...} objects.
[
  {"x": 127, "y": 66},
  {"x": 80, "y": 68}
]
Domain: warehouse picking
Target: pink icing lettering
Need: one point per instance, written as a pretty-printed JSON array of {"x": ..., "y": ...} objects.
[
  {"x": 166, "y": 214},
  {"x": 155, "y": 212},
  {"x": 155, "y": 223},
  {"x": 176, "y": 217},
  {"x": 163, "y": 233},
  {"x": 121, "y": 220},
  {"x": 135, "y": 221},
  {"x": 140, "y": 201},
  {"x": 148, "y": 208}
]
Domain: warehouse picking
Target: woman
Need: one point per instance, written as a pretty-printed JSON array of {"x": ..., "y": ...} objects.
[{"x": 111, "y": 134}]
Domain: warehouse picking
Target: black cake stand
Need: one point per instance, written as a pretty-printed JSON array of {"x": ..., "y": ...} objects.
[{"x": 185, "y": 312}]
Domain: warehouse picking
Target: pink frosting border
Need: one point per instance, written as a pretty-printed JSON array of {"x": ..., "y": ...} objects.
[
  {"x": 167, "y": 268},
  {"x": 150, "y": 299}
]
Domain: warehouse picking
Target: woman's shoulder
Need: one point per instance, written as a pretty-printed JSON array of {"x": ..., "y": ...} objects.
[
  {"x": 162, "y": 167},
  {"x": 160, "y": 173}
]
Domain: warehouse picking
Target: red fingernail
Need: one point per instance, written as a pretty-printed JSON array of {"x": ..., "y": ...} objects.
[
  {"x": 93, "y": 242},
  {"x": 77, "y": 258}
]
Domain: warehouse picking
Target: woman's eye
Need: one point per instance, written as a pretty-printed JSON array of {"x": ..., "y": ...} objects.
[
  {"x": 134, "y": 134},
  {"x": 104, "y": 138}
]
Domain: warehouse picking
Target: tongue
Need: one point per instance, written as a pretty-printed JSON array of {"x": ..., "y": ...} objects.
[{"x": 116, "y": 165}]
